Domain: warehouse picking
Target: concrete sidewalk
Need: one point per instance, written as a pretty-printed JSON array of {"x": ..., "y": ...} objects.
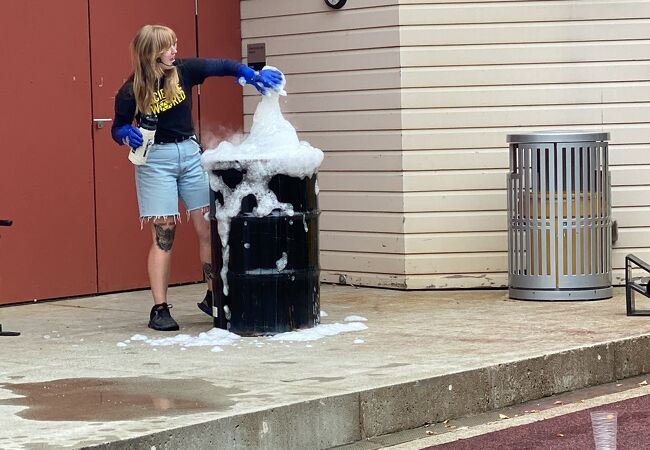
[{"x": 426, "y": 356}]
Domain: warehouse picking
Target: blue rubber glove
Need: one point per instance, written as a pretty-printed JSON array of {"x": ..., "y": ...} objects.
[
  {"x": 262, "y": 80},
  {"x": 127, "y": 134}
]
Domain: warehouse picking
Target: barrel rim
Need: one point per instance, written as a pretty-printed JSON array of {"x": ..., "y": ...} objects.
[{"x": 560, "y": 136}]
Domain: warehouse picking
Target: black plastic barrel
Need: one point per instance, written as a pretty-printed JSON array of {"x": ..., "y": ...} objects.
[{"x": 265, "y": 297}]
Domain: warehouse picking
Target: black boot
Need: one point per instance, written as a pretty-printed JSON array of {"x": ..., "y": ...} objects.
[
  {"x": 206, "y": 304},
  {"x": 160, "y": 319}
]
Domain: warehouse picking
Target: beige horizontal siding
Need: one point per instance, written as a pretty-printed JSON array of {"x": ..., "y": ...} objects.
[
  {"x": 362, "y": 262},
  {"x": 414, "y": 264},
  {"x": 624, "y": 136},
  {"x": 454, "y": 180},
  {"x": 447, "y": 12},
  {"x": 344, "y": 97},
  {"x": 412, "y": 244},
  {"x": 412, "y": 100},
  {"x": 361, "y": 201},
  {"x": 454, "y": 222},
  {"x": 628, "y": 155},
  {"x": 265, "y": 9},
  {"x": 526, "y": 95},
  {"x": 559, "y": 52},
  {"x": 450, "y": 242},
  {"x": 358, "y": 241},
  {"x": 384, "y": 280},
  {"x": 474, "y": 72},
  {"x": 364, "y": 82},
  {"x": 336, "y": 101},
  {"x": 460, "y": 280},
  {"x": 524, "y": 33},
  {"x": 447, "y": 201},
  {"x": 437, "y": 264},
  {"x": 417, "y": 160},
  {"x": 457, "y": 281},
  {"x": 349, "y": 60},
  {"x": 477, "y": 221},
  {"x": 495, "y": 75},
  {"x": 362, "y": 161},
  {"x": 372, "y": 222},
  {"x": 478, "y": 137},
  {"x": 362, "y": 181},
  {"x": 316, "y": 43},
  {"x": 319, "y": 20}
]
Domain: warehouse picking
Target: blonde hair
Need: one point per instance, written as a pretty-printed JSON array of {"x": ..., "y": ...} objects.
[{"x": 149, "y": 43}]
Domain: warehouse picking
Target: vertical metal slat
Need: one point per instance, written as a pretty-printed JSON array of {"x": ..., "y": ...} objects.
[
  {"x": 515, "y": 200},
  {"x": 570, "y": 192},
  {"x": 598, "y": 225},
  {"x": 543, "y": 197},
  {"x": 528, "y": 220},
  {"x": 592, "y": 209},
  {"x": 561, "y": 192},
  {"x": 522, "y": 199},
  {"x": 535, "y": 218},
  {"x": 552, "y": 180},
  {"x": 585, "y": 214}
]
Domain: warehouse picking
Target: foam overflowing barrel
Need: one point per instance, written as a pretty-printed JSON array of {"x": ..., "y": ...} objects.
[
  {"x": 273, "y": 268},
  {"x": 264, "y": 222}
]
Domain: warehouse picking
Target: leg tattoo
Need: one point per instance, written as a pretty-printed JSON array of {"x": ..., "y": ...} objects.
[
  {"x": 207, "y": 270},
  {"x": 165, "y": 236}
]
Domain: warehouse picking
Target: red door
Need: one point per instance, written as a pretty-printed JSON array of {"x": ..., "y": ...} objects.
[
  {"x": 121, "y": 245},
  {"x": 219, "y": 31},
  {"x": 46, "y": 168},
  {"x": 66, "y": 185}
]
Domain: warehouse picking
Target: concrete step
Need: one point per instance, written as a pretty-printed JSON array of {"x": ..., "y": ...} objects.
[{"x": 425, "y": 357}]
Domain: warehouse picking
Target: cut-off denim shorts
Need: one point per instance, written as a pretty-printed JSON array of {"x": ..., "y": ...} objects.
[{"x": 172, "y": 170}]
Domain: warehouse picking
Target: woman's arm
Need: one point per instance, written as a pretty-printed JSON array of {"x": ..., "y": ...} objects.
[
  {"x": 198, "y": 69},
  {"x": 122, "y": 130}
]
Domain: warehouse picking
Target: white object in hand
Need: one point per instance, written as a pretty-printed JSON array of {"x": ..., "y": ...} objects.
[{"x": 138, "y": 156}]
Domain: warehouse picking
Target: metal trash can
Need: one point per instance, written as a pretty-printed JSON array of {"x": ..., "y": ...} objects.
[
  {"x": 559, "y": 216},
  {"x": 273, "y": 267}
]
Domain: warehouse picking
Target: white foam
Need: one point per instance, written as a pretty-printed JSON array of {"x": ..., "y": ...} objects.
[
  {"x": 138, "y": 337},
  {"x": 355, "y": 319},
  {"x": 214, "y": 337},
  {"x": 281, "y": 263},
  {"x": 319, "y": 331},
  {"x": 271, "y": 148}
]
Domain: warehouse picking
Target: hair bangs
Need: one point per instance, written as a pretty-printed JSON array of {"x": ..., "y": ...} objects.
[{"x": 164, "y": 38}]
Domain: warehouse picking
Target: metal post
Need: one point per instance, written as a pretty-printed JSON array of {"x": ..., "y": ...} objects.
[{"x": 7, "y": 223}]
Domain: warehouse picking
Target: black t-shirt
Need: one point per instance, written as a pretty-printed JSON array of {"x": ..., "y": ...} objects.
[{"x": 175, "y": 115}]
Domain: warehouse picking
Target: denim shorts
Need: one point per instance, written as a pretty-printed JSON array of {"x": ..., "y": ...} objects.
[{"x": 172, "y": 171}]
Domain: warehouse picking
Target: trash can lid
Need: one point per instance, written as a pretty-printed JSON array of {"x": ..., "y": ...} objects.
[{"x": 558, "y": 136}]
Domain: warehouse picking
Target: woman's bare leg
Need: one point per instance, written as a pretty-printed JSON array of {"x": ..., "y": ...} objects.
[
  {"x": 202, "y": 228},
  {"x": 159, "y": 262}
]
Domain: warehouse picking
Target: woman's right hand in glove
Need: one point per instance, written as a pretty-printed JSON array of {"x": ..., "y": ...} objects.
[
  {"x": 128, "y": 134},
  {"x": 263, "y": 80}
]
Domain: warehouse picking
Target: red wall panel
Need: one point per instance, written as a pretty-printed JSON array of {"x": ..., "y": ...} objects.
[
  {"x": 219, "y": 36},
  {"x": 46, "y": 170}
]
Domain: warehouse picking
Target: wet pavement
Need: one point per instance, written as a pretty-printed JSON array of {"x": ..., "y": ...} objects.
[
  {"x": 79, "y": 376},
  {"x": 114, "y": 399}
]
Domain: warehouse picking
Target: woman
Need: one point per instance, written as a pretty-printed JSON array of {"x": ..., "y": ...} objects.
[{"x": 161, "y": 86}]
